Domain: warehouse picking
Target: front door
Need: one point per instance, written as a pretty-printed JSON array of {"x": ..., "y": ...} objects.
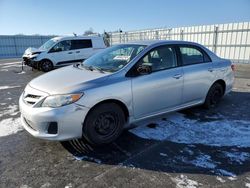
[
  {"x": 62, "y": 54},
  {"x": 162, "y": 89}
]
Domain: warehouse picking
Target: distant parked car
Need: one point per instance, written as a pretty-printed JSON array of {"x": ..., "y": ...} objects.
[
  {"x": 124, "y": 84},
  {"x": 60, "y": 51}
]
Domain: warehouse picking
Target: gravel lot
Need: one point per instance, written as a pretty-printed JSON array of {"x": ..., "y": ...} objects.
[{"x": 190, "y": 148}]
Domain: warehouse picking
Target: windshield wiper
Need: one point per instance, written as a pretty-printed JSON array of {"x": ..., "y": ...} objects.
[
  {"x": 97, "y": 68},
  {"x": 91, "y": 68}
]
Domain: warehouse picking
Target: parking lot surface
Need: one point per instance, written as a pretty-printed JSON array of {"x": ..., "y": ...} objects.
[{"x": 190, "y": 148}]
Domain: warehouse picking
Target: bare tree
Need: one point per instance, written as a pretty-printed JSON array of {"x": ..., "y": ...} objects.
[{"x": 90, "y": 31}]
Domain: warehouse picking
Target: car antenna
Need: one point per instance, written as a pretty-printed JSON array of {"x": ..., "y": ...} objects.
[{"x": 75, "y": 34}]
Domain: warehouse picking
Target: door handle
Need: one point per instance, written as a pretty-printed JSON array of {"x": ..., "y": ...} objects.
[
  {"x": 177, "y": 76},
  {"x": 210, "y": 69},
  {"x": 77, "y": 51},
  {"x": 70, "y": 52}
]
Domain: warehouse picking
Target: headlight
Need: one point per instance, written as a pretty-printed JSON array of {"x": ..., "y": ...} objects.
[{"x": 60, "y": 100}]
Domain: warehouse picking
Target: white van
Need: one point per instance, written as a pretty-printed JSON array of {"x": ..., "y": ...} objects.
[{"x": 61, "y": 51}]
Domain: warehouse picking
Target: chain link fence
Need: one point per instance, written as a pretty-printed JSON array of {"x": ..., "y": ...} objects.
[
  {"x": 231, "y": 41},
  {"x": 12, "y": 46}
]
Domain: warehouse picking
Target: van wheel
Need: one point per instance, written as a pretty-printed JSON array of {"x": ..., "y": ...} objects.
[
  {"x": 104, "y": 124},
  {"x": 46, "y": 66},
  {"x": 214, "y": 95}
]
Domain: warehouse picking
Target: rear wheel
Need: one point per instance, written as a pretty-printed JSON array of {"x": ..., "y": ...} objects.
[
  {"x": 104, "y": 124},
  {"x": 46, "y": 66},
  {"x": 214, "y": 95}
]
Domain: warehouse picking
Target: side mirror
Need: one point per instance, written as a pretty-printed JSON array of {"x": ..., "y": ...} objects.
[{"x": 145, "y": 68}]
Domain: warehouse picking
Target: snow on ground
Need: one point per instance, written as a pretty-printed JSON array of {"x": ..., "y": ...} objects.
[
  {"x": 10, "y": 110},
  {"x": 222, "y": 172},
  {"x": 88, "y": 158},
  {"x": 182, "y": 181},
  {"x": 203, "y": 161},
  {"x": 178, "y": 128},
  {"x": 4, "y": 70},
  {"x": 8, "y": 87},
  {"x": 11, "y": 63},
  {"x": 220, "y": 179},
  {"x": 238, "y": 157},
  {"x": 10, "y": 126},
  {"x": 22, "y": 72}
]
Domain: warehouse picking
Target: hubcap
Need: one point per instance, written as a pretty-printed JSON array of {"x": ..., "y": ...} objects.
[
  {"x": 216, "y": 96},
  {"x": 46, "y": 65},
  {"x": 106, "y": 124}
]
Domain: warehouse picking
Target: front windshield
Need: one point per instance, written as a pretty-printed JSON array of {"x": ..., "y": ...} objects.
[
  {"x": 47, "y": 45},
  {"x": 114, "y": 58}
]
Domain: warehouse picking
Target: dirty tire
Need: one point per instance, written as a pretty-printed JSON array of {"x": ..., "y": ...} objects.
[
  {"x": 214, "y": 95},
  {"x": 104, "y": 124}
]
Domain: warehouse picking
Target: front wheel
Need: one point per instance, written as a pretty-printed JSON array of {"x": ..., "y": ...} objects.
[
  {"x": 104, "y": 124},
  {"x": 214, "y": 95},
  {"x": 46, "y": 66}
]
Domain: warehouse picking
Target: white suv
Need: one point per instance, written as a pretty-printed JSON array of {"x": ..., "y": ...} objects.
[{"x": 60, "y": 51}]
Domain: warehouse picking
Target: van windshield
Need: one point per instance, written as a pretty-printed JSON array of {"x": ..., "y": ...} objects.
[
  {"x": 47, "y": 45},
  {"x": 113, "y": 58}
]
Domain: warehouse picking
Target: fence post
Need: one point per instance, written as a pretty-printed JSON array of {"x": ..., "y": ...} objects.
[
  {"x": 14, "y": 37},
  {"x": 215, "y": 39},
  {"x": 157, "y": 35},
  {"x": 110, "y": 39},
  {"x": 182, "y": 37}
]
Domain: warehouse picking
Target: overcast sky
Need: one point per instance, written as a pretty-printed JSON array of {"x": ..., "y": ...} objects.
[{"x": 65, "y": 17}]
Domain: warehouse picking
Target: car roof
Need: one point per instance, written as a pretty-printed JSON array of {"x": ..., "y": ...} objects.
[
  {"x": 75, "y": 37},
  {"x": 152, "y": 42}
]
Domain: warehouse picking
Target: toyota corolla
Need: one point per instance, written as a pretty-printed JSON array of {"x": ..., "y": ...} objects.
[{"x": 122, "y": 85}]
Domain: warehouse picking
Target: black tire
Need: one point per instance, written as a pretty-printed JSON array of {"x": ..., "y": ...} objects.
[
  {"x": 46, "y": 65},
  {"x": 104, "y": 124},
  {"x": 214, "y": 95}
]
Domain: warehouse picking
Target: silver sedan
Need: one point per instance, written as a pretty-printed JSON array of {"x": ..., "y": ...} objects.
[{"x": 124, "y": 84}]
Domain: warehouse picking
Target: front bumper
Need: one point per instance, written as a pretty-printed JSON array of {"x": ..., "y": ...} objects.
[
  {"x": 69, "y": 119},
  {"x": 31, "y": 62}
]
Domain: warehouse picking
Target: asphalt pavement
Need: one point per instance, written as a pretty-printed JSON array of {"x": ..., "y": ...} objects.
[{"x": 191, "y": 148}]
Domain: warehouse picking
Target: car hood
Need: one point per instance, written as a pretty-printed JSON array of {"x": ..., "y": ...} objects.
[
  {"x": 31, "y": 50},
  {"x": 69, "y": 79}
]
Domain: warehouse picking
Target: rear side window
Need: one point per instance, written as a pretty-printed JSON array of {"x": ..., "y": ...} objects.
[
  {"x": 82, "y": 43},
  {"x": 192, "y": 55}
]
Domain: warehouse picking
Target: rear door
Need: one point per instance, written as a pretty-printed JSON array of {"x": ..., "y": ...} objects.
[
  {"x": 199, "y": 73},
  {"x": 83, "y": 48},
  {"x": 162, "y": 89}
]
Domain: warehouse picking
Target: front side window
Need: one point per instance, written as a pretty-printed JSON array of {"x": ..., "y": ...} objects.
[
  {"x": 82, "y": 43},
  {"x": 62, "y": 46},
  {"x": 191, "y": 55},
  {"x": 114, "y": 58},
  {"x": 160, "y": 58}
]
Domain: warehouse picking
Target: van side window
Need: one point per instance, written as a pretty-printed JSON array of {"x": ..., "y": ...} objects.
[
  {"x": 192, "y": 55},
  {"x": 81, "y": 43},
  {"x": 62, "y": 46}
]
